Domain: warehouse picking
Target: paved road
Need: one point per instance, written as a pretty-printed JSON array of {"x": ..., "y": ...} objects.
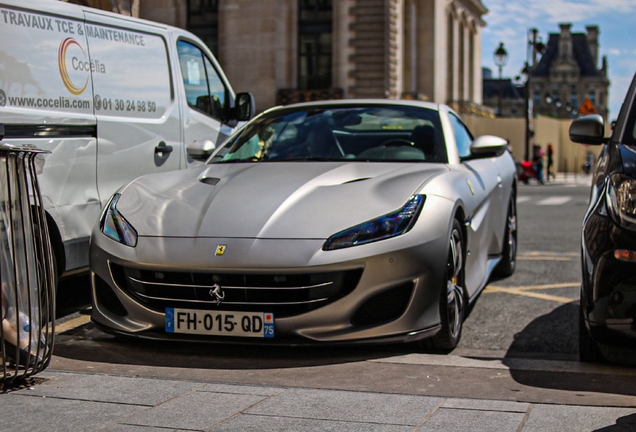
[
  {"x": 516, "y": 367},
  {"x": 534, "y": 313}
]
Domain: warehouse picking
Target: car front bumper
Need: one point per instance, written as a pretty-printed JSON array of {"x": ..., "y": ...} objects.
[{"x": 396, "y": 297}]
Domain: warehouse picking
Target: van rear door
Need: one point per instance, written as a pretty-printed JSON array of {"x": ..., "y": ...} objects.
[{"x": 134, "y": 97}]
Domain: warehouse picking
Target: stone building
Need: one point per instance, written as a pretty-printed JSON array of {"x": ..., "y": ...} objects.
[
  {"x": 290, "y": 50},
  {"x": 564, "y": 82},
  {"x": 513, "y": 102},
  {"x": 568, "y": 74}
]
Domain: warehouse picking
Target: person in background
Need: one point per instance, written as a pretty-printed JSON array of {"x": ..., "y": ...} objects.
[
  {"x": 550, "y": 155},
  {"x": 537, "y": 162}
]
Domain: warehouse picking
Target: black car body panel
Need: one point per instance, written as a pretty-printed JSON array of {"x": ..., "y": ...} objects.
[{"x": 608, "y": 290}]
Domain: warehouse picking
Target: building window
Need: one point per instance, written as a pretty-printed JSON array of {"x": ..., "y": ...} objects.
[
  {"x": 203, "y": 21},
  {"x": 573, "y": 99},
  {"x": 314, "y": 43},
  {"x": 536, "y": 99},
  {"x": 592, "y": 96}
]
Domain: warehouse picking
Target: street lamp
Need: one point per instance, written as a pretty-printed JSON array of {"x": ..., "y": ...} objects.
[
  {"x": 556, "y": 101},
  {"x": 501, "y": 58},
  {"x": 535, "y": 46}
]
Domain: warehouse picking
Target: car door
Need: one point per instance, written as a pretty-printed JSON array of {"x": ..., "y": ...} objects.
[
  {"x": 207, "y": 97},
  {"x": 138, "y": 130},
  {"x": 483, "y": 181}
]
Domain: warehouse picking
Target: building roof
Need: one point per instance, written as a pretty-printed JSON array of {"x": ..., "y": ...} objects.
[
  {"x": 508, "y": 89},
  {"x": 580, "y": 49}
]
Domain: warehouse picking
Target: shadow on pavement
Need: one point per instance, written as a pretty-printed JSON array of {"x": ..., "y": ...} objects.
[
  {"x": 88, "y": 343},
  {"x": 623, "y": 424},
  {"x": 555, "y": 335},
  {"x": 550, "y": 336}
]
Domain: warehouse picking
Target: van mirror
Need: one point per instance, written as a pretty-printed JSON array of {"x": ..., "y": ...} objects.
[
  {"x": 200, "y": 149},
  {"x": 244, "y": 106},
  {"x": 589, "y": 129}
]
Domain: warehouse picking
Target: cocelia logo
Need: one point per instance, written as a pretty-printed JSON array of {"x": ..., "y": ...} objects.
[{"x": 75, "y": 80}]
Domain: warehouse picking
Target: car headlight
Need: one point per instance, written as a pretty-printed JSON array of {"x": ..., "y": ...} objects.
[
  {"x": 621, "y": 200},
  {"x": 115, "y": 226},
  {"x": 384, "y": 227}
]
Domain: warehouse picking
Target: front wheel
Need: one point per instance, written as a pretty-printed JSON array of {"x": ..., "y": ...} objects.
[{"x": 452, "y": 300}]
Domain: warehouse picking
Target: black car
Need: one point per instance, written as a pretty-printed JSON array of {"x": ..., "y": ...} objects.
[{"x": 607, "y": 328}]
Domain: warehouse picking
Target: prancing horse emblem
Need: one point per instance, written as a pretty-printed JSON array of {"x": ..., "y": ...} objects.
[{"x": 217, "y": 293}]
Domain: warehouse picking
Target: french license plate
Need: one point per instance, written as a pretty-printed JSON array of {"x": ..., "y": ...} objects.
[{"x": 220, "y": 323}]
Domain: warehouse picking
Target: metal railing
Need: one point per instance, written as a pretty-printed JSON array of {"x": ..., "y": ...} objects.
[{"x": 27, "y": 274}]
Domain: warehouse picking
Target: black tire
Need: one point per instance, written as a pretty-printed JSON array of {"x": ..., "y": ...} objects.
[
  {"x": 452, "y": 302},
  {"x": 589, "y": 351},
  {"x": 508, "y": 263}
]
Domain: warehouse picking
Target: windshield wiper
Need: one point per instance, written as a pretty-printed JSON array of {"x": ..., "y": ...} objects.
[
  {"x": 237, "y": 160},
  {"x": 312, "y": 159}
]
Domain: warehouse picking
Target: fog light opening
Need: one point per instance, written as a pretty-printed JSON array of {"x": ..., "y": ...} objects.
[{"x": 625, "y": 255}]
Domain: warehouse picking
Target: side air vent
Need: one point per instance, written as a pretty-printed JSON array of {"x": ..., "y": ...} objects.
[
  {"x": 209, "y": 180},
  {"x": 357, "y": 180}
]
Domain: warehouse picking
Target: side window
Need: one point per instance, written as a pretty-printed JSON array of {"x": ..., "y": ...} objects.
[
  {"x": 463, "y": 137},
  {"x": 204, "y": 88}
]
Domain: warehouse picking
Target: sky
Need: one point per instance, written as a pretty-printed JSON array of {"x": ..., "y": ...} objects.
[{"x": 509, "y": 21}]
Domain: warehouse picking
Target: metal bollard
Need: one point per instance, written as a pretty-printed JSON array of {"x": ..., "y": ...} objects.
[{"x": 26, "y": 268}]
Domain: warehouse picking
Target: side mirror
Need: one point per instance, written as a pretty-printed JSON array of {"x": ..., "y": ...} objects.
[
  {"x": 200, "y": 149},
  {"x": 589, "y": 129},
  {"x": 245, "y": 108},
  {"x": 488, "y": 146}
]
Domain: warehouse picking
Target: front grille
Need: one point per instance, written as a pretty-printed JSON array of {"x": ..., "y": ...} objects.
[{"x": 282, "y": 294}]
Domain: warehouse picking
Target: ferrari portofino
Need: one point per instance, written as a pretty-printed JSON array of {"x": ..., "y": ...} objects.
[{"x": 327, "y": 222}]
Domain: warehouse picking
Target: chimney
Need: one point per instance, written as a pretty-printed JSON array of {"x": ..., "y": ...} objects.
[
  {"x": 592, "y": 42},
  {"x": 565, "y": 42}
]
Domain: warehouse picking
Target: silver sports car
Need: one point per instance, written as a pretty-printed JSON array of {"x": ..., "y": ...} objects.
[{"x": 327, "y": 222}]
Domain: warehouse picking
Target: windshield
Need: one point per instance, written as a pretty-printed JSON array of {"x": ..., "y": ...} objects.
[{"x": 356, "y": 133}]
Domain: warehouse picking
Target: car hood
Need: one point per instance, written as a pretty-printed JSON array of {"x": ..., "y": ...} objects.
[{"x": 270, "y": 200}]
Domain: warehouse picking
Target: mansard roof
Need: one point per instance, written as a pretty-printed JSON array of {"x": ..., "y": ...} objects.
[
  {"x": 580, "y": 49},
  {"x": 508, "y": 89}
]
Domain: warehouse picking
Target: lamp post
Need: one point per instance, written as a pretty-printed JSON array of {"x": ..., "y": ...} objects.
[
  {"x": 501, "y": 58},
  {"x": 534, "y": 46}
]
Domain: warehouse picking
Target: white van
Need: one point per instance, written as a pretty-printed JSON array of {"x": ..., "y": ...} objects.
[{"x": 112, "y": 98}]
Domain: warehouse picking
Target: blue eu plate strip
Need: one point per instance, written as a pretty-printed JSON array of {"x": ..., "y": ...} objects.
[{"x": 169, "y": 320}]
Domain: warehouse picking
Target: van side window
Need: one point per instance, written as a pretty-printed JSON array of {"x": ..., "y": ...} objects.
[
  {"x": 204, "y": 88},
  {"x": 463, "y": 138}
]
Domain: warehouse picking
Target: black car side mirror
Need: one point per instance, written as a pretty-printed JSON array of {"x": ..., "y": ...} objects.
[{"x": 589, "y": 129}]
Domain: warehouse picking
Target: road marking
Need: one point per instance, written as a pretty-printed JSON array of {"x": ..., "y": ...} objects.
[
  {"x": 527, "y": 291},
  {"x": 556, "y": 200},
  {"x": 548, "y": 256},
  {"x": 543, "y": 258},
  {"x": 72, "y": 323},
  {"x": 522, "y": 199}
]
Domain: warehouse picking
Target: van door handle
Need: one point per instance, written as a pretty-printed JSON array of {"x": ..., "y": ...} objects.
[{"x": 163, "y": 148}]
